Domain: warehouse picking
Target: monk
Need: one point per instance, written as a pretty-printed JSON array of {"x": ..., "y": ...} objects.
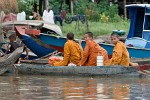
[
  {"x": 120, "y": 55},
  {"x": 72, "y": 52},
  {"x": 91, "y": 51}
]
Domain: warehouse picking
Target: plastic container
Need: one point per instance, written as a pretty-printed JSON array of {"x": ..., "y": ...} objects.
[
  {"x": 100, "y": 60},
  {"x": 119, "y": 32}
]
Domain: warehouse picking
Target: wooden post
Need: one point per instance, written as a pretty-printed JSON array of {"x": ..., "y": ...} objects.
[
  {"x": 46, "y": 5},
  {"x": 40, "y": 7},
  {"x": 86, "y": 24},
  {"x": 71, "y": 6},
  {"x": 35, "y": 6},
  {"x": 125, "y": 11}
]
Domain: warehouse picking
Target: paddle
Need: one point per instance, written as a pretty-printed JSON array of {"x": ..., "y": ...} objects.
[{"x": 143, "y": 69}]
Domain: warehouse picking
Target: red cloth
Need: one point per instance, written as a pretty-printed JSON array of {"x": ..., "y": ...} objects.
[{"x": 53, "y": 59}]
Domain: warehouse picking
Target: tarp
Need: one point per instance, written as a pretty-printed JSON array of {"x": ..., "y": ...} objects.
[
  {"x": 136, "y": 14},
  {"x": 21, "y": 16},
  {"x": 48, "y": 16}
]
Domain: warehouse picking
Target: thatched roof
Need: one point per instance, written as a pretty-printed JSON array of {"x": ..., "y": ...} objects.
[{"x": 9, "y": 6}]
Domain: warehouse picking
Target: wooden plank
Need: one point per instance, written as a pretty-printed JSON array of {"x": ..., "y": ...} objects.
[{"x": 8, "y": 60}]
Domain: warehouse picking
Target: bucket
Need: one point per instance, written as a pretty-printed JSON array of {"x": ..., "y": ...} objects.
[{"x": 100, "y": 60}]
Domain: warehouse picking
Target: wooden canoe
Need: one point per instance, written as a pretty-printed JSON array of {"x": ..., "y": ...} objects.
[
  {"x": 41, "y": 67},
  {"x": 7, "y": 61}
]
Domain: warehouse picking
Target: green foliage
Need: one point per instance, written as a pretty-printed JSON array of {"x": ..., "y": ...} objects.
[
  {"x": 104, "y": 18},
  {"x": 93, "y": 12},
  {"x": 26, "y": 5},
  {"x": 98, "y": 28},
  {"x": 57, "y": 5},
  {"x": 96, "y": 12},
  {"x": 68, "y": 19},
  {"x": 80, "y": 6}
]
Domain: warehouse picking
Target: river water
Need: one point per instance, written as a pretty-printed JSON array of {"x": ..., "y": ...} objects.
[{"x": 42, "y": 87}]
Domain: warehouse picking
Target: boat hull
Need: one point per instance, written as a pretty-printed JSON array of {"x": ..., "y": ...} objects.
[
  {"x": 133, "y": 52},
  {"x": 45, "y": 69},
  {"x": 36, "y": 48},
  {"x": 46, "y": 42},
  {"x": 58, "y": 44}
]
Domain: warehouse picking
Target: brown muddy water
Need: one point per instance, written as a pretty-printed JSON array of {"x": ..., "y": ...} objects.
[{"x": 42, "y": 87}]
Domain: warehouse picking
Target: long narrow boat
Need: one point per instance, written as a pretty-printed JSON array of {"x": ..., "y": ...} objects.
[
  {"x": 7, "y": 61},
  {"x": 42, "y": 67},
  {"x": 39, "y": 50}
]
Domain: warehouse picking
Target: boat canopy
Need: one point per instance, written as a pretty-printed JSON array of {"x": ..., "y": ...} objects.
[
  {"x": 139, "y": 21},
  {"x": 138, "y": 5}
]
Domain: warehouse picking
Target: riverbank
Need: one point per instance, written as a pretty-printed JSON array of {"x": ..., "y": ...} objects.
[{"x": 97, "y": 28}]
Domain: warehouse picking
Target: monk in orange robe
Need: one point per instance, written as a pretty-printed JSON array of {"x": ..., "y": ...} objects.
[
  {"x": 72, "y": 52},
  {"x": 91, "y": 51},
  {"x": 120, "y": 55}
]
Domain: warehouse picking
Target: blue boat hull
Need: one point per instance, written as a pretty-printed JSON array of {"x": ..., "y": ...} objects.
[
  {"x": 133, "y": 52},
  {"x": 56, "y": 42},
  {"x": 35, "y": 47},
  {"x": 43, "y": 44}
]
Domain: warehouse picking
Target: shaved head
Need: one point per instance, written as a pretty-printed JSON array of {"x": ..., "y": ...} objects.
[
  {"x": 115, "y": 34},
  {"x": 70, "y": 36},
  {"x": 90, "y": 34},
  {"x": 114, "y": 38}
]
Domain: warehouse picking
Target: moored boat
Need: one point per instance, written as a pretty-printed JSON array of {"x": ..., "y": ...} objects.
[
  {"x": 58, "y": 42},
  {"x": 46, "y": 27},
  {"x": 39, "y": 50}
]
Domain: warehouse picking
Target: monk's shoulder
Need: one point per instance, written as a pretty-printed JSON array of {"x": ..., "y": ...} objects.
[
  {"x": 67, "y": 43},
  {"x": 119, "y": 44}
]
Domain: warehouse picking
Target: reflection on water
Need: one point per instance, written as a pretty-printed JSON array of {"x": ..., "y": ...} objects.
[{"x": 34, "y": 87}]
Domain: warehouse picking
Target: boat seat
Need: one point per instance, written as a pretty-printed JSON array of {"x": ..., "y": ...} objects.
[
  {"x": 147, "y": 45},
  {"x": 136, "y": 42},
  {"x": 146, "y": 35}
]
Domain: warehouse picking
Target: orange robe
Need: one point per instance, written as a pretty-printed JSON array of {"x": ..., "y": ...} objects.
[
  {"x": 90, "y": 53},
  {"x": 120, "y": 55},
  {"x": 72, "y": 54}
]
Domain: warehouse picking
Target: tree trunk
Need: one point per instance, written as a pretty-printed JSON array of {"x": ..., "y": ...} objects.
[
  {"x": 125, "y": 11},
  {"x": 71, "y": 6},
  {"x": 40, "y": 7},
  {"x": 35, "y": 6},
  {"x": 46, "y": 5}
]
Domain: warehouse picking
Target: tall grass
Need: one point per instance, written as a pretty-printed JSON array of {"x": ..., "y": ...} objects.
[{"x": 98, "y": 28}]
